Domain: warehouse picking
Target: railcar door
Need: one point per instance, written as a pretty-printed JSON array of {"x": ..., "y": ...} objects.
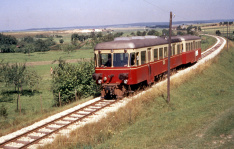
[{"x": 149, "y": 79}]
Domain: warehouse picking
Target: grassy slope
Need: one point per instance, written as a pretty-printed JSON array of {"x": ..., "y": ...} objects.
[{"x": 200, "y": 114}]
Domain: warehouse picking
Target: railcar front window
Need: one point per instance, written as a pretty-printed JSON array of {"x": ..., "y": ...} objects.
[
  {"x": 105, "y": 60},
  {"x": 120, "y": 59}
]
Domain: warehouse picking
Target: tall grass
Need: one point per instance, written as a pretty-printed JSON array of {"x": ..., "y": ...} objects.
[{"x": 200, "y": 102}]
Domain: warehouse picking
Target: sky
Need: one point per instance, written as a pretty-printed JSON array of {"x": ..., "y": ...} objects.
[{"x": 27, "y": 14}]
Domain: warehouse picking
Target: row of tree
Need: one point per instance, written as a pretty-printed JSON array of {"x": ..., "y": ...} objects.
[{"x": 9, "y": 44}]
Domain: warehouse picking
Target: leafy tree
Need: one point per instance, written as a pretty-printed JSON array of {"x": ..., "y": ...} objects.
[
  {"x": 7, "y": 40},
  {"x": 68, "y": 77},
  {"x": 180, "y": 33},
  {"x": 41, "y": 46},
  {"x": 61, "y": 41},
  {"x": 133, "y": 34},
  {"x": 99, "y": 35},
  {"x": 19, "y": 76},
  {"x": 28, "y": 39},
  {"x": 68, "y": 48},
  {"x": 29, "y": 48},
  {"x": 218, "y": 32},
  {"x": 139, "y": 33}
]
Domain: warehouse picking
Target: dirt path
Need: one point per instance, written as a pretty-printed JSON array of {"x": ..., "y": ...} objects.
[{"x": 50, "y": 62}]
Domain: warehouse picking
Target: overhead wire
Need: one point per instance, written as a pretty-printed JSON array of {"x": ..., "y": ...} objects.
[{"x": 164, "y": 10}]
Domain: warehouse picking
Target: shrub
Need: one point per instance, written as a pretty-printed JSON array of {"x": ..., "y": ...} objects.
[
  {"x": 3, "y": 111},
  {"x": 69, "y": 77}
]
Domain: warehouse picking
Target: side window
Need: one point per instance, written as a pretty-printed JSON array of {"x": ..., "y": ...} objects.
[
  {"x": 155, "y": 54},
  {"x": 173, "y": 49},
  {"x": 132, "y": 59},
  {"x": 187, "y": 47},
  {"x": 165, "y": 52},
  {"x": 160, "y": 53},
  {"x": 178, "y": 49},
  {"x": 143, "y": 57}
]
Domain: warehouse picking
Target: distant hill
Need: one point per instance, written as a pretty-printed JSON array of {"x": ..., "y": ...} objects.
[{"x": 140, "y": 24}]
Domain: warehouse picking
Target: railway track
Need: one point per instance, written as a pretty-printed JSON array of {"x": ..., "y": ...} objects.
[
  {"x": 70, "y": 121},
  {"x": 58, "y": 125}
]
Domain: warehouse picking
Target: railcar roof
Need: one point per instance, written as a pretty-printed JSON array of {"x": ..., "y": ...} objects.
[
  {"x": 185, "y": 37},
  {"x": 140, "y": 41},
  {"x": 131, "y": 42}
]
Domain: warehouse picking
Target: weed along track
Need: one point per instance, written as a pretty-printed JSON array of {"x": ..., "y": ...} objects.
[
  {"x": 61, "y": 125},
  {"x": 92, "y": 111}
]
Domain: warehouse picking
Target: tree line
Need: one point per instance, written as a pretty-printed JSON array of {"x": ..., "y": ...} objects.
[{"x": 9, "y": 44}]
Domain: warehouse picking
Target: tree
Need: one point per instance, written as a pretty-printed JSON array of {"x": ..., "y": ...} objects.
[
  {"x": 28, "y": 39},
  {"x": 29, "y": 48},
  {"x": 18, "y": 75},
  {"x": 61, "y": 41},
  {"x": 133, "y": 34},
  {"x": 139, "y": 33},
  {"x": 218, "y": 32},
  {"x": 41, "y": 46},
  {"x": 68, "y": 48}
]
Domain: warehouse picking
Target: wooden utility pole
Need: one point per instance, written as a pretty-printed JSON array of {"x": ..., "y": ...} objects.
[
  {"x": 169, "y": 61},
  {"x": 227, "y": 34}
]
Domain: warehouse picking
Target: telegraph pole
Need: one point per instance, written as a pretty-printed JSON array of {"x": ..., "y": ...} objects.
[
  {"x": 227, "y": 35},
  {"x": 169, "y": 61}
]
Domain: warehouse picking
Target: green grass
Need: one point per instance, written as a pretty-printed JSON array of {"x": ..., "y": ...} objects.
[
  {"x": 207, "y": 42},
  {"x": 222, "y": 29},
  {"x": 31, "y": 103},
  {"x": 200, "y": 115},
  {"x": 45, "y": 56}
]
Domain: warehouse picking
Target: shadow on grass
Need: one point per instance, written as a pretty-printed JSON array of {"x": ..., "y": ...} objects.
[{"x": 8, "y": 96}]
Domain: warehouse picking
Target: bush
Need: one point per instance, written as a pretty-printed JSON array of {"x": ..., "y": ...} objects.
[
  {"x": 3, "y": 111},
  {"x": 69, "y": 77}
]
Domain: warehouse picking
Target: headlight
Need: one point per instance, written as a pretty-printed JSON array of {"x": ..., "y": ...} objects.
[
  {"x": 105, "y": 78},
  {"x": 125, "y": 81},
  {"x": 99, "y": 81}
]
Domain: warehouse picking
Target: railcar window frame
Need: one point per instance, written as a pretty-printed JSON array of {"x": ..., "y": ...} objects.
[
  {"x": 143, "y": 57},
  {"x": 156, "y": 54},
  {"x": 165, "y": 52},
  {"x": 160, "y": 53},
  {"x": 178, "y": 48},
  {"x": 102, "y": 63}
]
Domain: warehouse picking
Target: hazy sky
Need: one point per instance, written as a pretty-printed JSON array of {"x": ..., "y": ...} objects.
[{"x": 25, "y": 14}]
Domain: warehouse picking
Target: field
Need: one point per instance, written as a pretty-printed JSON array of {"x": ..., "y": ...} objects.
[
  {"x": 40, "y": 104},
  {"x": 200, "y": 115}
]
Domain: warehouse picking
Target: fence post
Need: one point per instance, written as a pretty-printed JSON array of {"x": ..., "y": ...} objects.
[
  {"x": 59, "y": 99},
  {"x": 19, "y": 104},
  {"x": 75, "y": 95},
  {"x": 41, "y": 104}
]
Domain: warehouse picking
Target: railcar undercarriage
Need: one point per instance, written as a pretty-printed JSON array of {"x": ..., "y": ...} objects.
[{"x": 113, "y": 90}]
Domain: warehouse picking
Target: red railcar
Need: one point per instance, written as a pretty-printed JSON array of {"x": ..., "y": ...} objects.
[{"x": 130, "y": 61}]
